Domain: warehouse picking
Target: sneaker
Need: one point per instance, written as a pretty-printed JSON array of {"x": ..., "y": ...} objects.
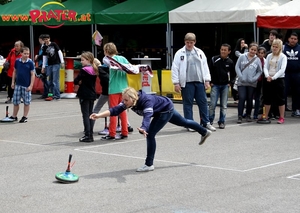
[
  {"x": 190, "y": 130},
  {"x": 13, "y": 118},
  {"x": 86, "y": 139},
  {"x": 118, "y": 129},
  {"x": 239, "y": 121},
  {"x": 107, "y": 137},
  {"x": 293, "y": 114},
  {"x": 271, "y": 116},
  {"x": 120, "y": 136},
  {"x": 104, "y": 132},
  {"x": 248, "y": 118},
  {"x": 280, "y": 121},
  {"x": 48, "y": 99},
  {"x": 145, "y": 168},
  {"x": 203, "y": 138},
  {"x": 297, "y": 113},
  {"x": 210, "y": 127},
  {"x": 23, "y": 120},
  {"x": 221, "y": 125},
  {"x": 130, "y": 129},
  {"x": 8, "y": 101}
]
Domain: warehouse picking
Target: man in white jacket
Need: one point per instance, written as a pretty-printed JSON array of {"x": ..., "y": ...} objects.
[{"x": 191, "y": 77}]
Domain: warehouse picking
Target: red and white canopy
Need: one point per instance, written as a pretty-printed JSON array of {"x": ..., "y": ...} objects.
[{"x": 286, "y": 16}]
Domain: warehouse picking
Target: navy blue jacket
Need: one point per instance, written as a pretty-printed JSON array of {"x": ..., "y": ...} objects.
[
  {"x": 147, "y": 106},
  {"x": 293, "y": 58}
]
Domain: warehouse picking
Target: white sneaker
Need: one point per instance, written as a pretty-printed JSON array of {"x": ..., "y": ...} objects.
[
  {"x": 297, "y": 113},
  {"x": 203, "y": 138},
  {"x": 145, "y": 168},
  {"x": 190, "y": 130},
  {"x": 118, "y": 129},
  {"x": 210, "y": 127},
  {"x": 104, "y": 132}
]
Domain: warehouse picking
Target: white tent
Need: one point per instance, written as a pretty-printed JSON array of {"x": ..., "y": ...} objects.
[{"x": 222, "y": 11}]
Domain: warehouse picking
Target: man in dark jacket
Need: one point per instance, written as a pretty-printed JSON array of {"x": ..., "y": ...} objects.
[
  {"x": 292, "y": 72},
  {"x": 268, "y": 42},
  {"x": 222, "y": 74}
]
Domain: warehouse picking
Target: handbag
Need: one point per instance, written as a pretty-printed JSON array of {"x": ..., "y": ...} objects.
[
  {"x": 6, "y": 64},
  {"x": 5, "y": 67},
  {"x": 3, "y": 76},
  {"x": 235, "y": 85}
]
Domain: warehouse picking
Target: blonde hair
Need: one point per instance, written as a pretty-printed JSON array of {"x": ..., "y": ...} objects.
[
  {"x": 277, "y": 42},
  {"x": 97, "y": 62},
  {"x": 19, "y": 43},
  {"x": 110, "y": 48},
  {"x": 190, "y": 37},
  {"x": 132, "y": 94},
  {"x": 90, "y": 57}
]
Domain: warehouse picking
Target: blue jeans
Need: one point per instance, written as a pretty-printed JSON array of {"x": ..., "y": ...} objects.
[
  {"x": 46, "y": 82},
  {"x": 245, "y": 94},
  {"x": 216, "y": 91},
  {"x": 257, "y": 97},
  {"x": 159, "y": 121},
  {"x": 191, "y": 91},
  {"x": 54, "y": 80}
]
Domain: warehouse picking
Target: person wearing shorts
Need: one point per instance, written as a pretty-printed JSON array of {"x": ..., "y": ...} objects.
[
  {"x": 274, "y": 84},
  {"x": 22, "y": 83}
]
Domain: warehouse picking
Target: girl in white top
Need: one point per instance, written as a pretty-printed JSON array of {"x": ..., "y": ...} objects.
[{"x": 273, "y": 85}]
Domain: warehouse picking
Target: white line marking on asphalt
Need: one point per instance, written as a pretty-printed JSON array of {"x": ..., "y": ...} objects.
[
  {"x": 24, "y": 143},
  {"x": 157, "y": 160},
  {"x": 294, "y": 177},
  {"x": 272, "y": 164},
  {"x": 54, "y": 118},
  {"x": 83, "y": 149},
  {"x": 174, "y": 162},
  {"x": 123, "y": 142}
]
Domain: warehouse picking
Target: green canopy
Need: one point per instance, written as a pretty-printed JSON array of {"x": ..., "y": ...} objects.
[
  {"x": 138, "y": 12},
  {"x": 51, "y": 13}
]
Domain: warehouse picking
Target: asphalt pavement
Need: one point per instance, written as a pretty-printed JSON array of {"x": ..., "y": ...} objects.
[{"x": 246, "y": 167}]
